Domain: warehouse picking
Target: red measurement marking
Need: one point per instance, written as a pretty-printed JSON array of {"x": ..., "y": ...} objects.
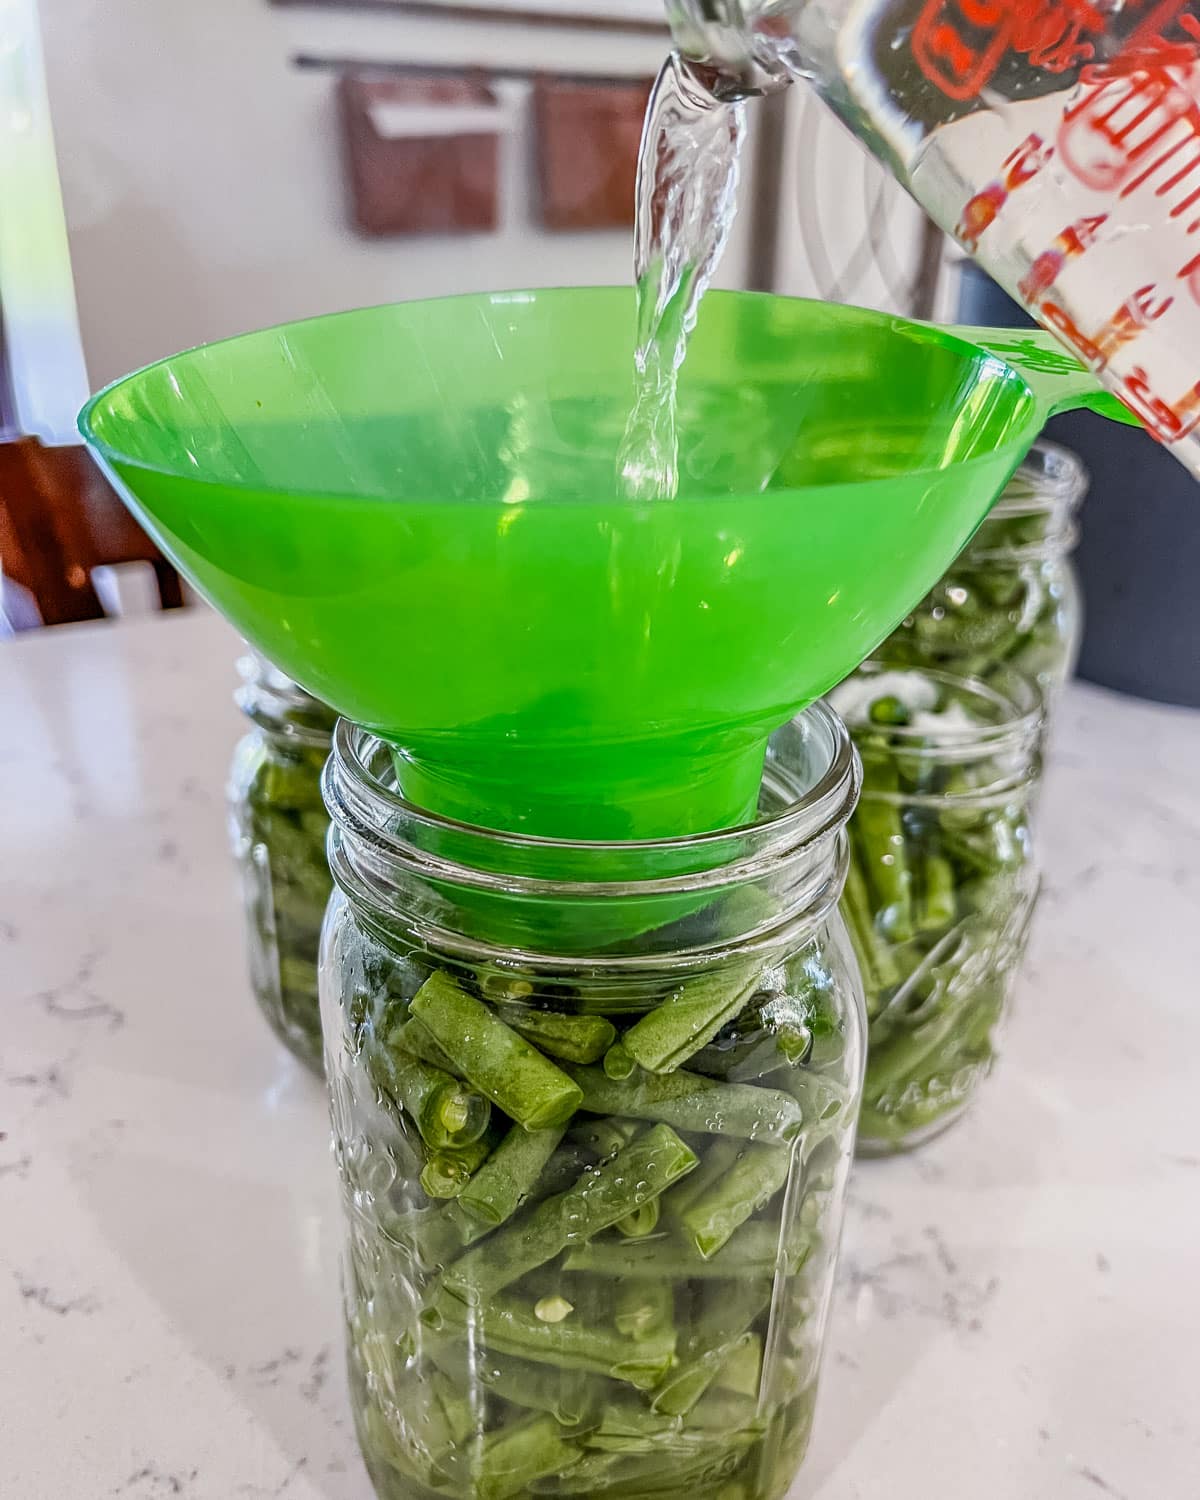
[
  {"x": 1134, "y": 314},
  {"x": 1060, "y": 320},
  {"x": 1072, "y": 242},
  {"x": 1190, "y": 274},
  {"x": 1162, "y": 420},
  {"x": 1018, "y": 168},
  {"x": 1115, "y": 125}
]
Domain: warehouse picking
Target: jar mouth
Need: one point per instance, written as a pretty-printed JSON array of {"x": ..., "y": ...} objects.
[
  {"x": 499, "y": 897},
  {"x": 814, "y": 806},
  {"x": 1011, "y": 711}
]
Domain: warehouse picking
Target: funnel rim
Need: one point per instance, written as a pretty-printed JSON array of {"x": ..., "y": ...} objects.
[{"x": 112, "y": 456}]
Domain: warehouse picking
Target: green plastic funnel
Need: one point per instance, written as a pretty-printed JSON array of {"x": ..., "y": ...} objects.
[{"x": 413, "y": 511}]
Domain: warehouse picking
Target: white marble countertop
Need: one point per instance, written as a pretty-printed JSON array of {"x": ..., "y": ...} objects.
[{"x": 1019, "y": 1313}]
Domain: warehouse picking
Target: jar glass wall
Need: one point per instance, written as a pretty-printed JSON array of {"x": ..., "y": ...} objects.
[
  {"x": 593, "y": 1109},
  {"x": 1011, "y": 599},
  {"x": 278, "y": 825},
  {"x": 942, "y": 884}
]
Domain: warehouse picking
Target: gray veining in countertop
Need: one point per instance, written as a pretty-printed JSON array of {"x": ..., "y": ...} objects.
[{"x": 1017, "y": 1317}]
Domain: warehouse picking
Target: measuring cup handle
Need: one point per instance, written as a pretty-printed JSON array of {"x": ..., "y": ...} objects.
[{"x": 1055, "y": 377}]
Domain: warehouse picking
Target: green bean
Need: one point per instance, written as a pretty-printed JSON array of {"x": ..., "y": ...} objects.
[
  {"x": 499, "y": 1063},
  {"x": 879, "y": 835},
  {"x": 619, "y": 1062},
  {"x": 691, "y": 1101},
  {"x": 709, "y": 1345},
  {"x": 567, "y": 1395},
  {"x": 577, "y": 1039},
  {"x": 874, "y": 955},
  {"x": 447, "y": 1173},
  {"x": 665, "y": 1037},
  {"x": 510, "y": 1326},
  {"x": 753, "y": 1252},
  {"x": 604, "y": 1138},
  {"x": 415, "y": 1038},
  {"x": 937, "y": 908},
  {"x": 749, "y": 1184},
  {"x": 641, "y": 1222},
  {"x": 601, "y": 1196},
  {"x": 505, "y": 1180},
  {"x": 742, "y": 1371},
  {"x": 507, "y": 1461},
  {"x": 446, "y": 1114}
]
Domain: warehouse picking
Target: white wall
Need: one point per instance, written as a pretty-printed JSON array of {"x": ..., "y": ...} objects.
[{"x": 202, "y": 181}]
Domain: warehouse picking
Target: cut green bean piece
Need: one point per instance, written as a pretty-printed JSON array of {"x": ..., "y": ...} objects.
[
  {"x": 664, "y": 1038},
  {"x": 604, "y": 1138},
  {"x": 446, "y": 1114},
  {"x": 691, "y": 1101},
  {"x": 627, "y": 1425},
  {"x": 506, "y": 1462},
  {"x": 641, "y": 1222},
  {"x": 415, "y": 1038},
  {"x": 446, "y": 1173},
  {"x": 936, "y": 909},
  {"x": 879, "y": 834},
  {"x": 508, "y": 1325},
  {"x": 577, "y": 1039},
  {"x": 505, "y": 1180},
  {"x": 499, "y": 1063},
  {"x": 716, "y": 1162},
  {"x": 709, "y": 1221},
  {"x": 753, "y": 1252},
  {"x": 566, "y": 1395},
  {"x": 602, "y": 1195},
  {"x": 619, "y": 1062},
  {"x": 708, "y": 1347},
  {"x": 742, "y": 1371}
]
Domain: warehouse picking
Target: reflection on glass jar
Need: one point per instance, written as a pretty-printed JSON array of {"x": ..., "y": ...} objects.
[
  {"x": 942, "y": 884},
  {"x": 278, "y": 825},
  {"x": 1011, "y": 599},
  {"x": 593, "y": 1109}
]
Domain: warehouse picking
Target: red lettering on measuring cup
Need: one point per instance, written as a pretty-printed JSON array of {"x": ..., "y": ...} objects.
[
  {"x": 959, "y": 44},
  {"x": 1134, "y": 314},
  {"x": 1061, "y": 321},
  {"x": 956, "y": 64},
  {"x": 1072, "y": 242},
  {"x": 1163, "y": 421},
  {"x": 1053, "y": 35},
  {"x": 1018, "y": 168}
]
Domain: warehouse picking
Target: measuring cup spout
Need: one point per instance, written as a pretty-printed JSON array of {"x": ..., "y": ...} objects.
[{"x": 1056, "y": 378}]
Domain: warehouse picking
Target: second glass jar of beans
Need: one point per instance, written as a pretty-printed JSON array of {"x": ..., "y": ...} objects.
[
  {"x": 1011, "y": 599},
  {"x": 942, "y": 884},
  {"x": 278, "y": 825}
]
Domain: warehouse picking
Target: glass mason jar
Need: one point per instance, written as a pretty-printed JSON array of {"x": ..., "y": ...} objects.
[
  {"x": 1011, "y": 599},
  {"x": 278, "y": 825},
  {"x": 593, "y": 1111},
  {"x": 942, "y": 884}
]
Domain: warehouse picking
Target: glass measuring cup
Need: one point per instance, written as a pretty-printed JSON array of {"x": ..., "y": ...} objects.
[{"x": 1057, "y": 140}]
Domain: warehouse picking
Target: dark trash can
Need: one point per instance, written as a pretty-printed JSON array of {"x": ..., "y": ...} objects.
[{"x": 1139, "y": 553}]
